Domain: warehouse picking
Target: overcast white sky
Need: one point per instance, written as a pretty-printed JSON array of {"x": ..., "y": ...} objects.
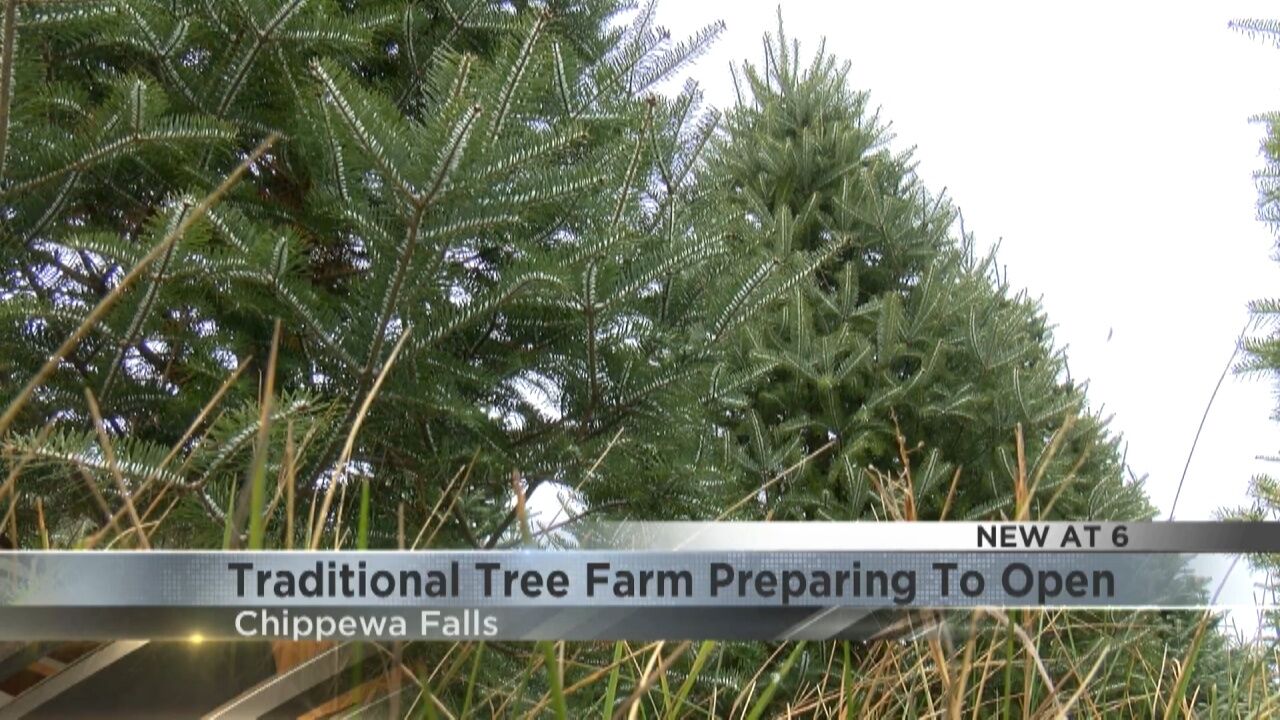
[{"x": 1106, "y": 146}]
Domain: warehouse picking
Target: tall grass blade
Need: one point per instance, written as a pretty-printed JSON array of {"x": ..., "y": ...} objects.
[
  {"x": 762, "y": 702},
  {"x": 611, "y": 688},
  {"x": 704, "y": 653},
  {"x": 258, "y": 470},
  {"x": 555, "y": 678}
]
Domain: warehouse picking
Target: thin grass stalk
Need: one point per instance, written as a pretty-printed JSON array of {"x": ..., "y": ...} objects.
[
  {"x": 848, "y": 693},
  {"x": 763, "y": 701},
  {"x": 10, "y": 520},
  {"x": 349, "y": 446},
  {"x": 555, "y": 678},
  {"x": 1184, "y": 673},
  {"x": 1195, "y": 441},
  {"x": 699, "y": 660},
  {"x": 471, "y": 681},
  {"x": 631, "y": 706},
  {"x": 362, "y": 529},
  {"x": 291, "y": 491},
  {"x": 40, "y": 524},
  {"x": 1065, "y": 710},
  {"x": 110, "y": 456},
  {"x": 108, "y": 517},
  {"x": 588, "y": 680},
  {"x": 462, "y": 474},
  {"x": 748, "y": 690},
  {"x": 956, "y": 696},
  {"x": 109, "y": 300},
  {"x": 1007, "y": 695},
  {"x": 257, "y": 481},
  {"x": 611, "y": 688},
  {"x": 177, "y": 448}
]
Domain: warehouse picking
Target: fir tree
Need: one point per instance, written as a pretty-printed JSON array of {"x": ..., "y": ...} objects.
[
  {"x": 495, "y": 190},
  {"x": 1261, "y": 351},
  {"x": 495, "y": 256},
  {"x": 889, "y": 373},
  {"x": 905, "y": 350}
]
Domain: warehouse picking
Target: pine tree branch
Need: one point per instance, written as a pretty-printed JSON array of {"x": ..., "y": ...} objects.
[
  {"x": 562, "y": 82},
  {"x": 514, "y": 76},
  {"x": 161, "y": 53},
  {"x": 442, "y": 47},
  {"x": 108, "y": 302},
  {"x": 367, "y": 142},
  {"x": 451, "y": 155},
  {"x": 447, "y": 163},
  {"x": 108, "y": 453},
  {"x": 260, "y": 38},
  {"x": 112, "y": 148},
  {"x": 140, "y": 317},
  {"x": 624, "y": 193},
  {"x": 54, "y": 208}
]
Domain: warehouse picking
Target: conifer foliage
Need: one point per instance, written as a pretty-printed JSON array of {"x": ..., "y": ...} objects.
[
  {"x": 481, "y": 215},
  {"x": 895, "y": 348},
  {"x": 1262, "y": 348},
  {"x": 359, "y": 274},
  {"x": 888, "y": 372}
]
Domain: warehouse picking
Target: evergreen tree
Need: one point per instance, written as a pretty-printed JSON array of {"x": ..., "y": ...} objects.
[
  {"x": 493, "y": 189},
  {"x": 493, "y": 251},
  {"x": 889, "y": 373},
  {"x": 905, "y": 351},
  {"x": 1261, "y": 352}
]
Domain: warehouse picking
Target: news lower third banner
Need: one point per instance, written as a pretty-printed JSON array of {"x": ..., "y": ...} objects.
[{"x": 632, "y": 581}]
